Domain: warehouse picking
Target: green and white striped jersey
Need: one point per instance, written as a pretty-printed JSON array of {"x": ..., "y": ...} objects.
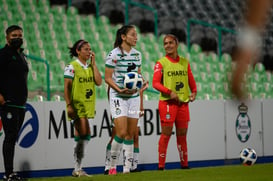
[{"x": 123, "y": 63}]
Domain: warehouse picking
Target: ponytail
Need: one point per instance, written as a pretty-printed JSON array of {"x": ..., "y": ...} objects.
[
  {"x": 77, "y": 46},
  {"x": 121, "y": 31}
]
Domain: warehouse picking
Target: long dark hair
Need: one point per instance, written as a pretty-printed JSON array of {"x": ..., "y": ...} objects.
[
  {"x": 121, "y": 31},
  {"x": 77, "y": 46}
]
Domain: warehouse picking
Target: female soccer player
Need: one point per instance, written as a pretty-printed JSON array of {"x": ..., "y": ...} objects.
[
  {"x": 174, "y": 79},
  {"x": 124, "y": 103},
  {"x": 80, "y": 78},
  {"x": 136, "y": 153}
]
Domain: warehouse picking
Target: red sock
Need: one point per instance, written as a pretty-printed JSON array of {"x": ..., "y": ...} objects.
[
  {"x": 182, "y": 150},
  {"x": 162, "y": 150}
]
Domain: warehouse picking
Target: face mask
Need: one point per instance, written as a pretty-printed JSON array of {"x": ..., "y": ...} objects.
[{"x": 16, "y": 42}]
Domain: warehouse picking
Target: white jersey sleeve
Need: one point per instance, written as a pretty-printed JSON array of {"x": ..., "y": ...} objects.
[
  {"x": 69, "y": 71},
  {"x": 111, "y": 59}
]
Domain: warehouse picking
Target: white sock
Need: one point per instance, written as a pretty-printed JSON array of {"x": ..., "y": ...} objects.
[
  {"x": 128, "y": 147},
  {"x": 107, "y": 157},
  {"x": 78, "y": 155},
  {"x": 85, "y": 142},
  {"x": 135, "y": 161},
  {"x": 115, "y": 151}
]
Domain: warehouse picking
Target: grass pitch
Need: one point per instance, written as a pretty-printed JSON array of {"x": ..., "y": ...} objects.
[{"x": 257, "y": 172}]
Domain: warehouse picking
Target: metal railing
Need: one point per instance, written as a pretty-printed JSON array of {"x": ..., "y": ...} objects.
[{"x": 38, "y": 59}]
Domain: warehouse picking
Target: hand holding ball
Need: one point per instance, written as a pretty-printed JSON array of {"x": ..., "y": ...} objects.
[{"x": 133, "y": 81}]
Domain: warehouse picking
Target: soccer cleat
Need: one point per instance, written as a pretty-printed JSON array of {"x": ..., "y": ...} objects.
[
  {"x": 185, "y": 167},
  {"x": 12, "y": 177},
  {"x": 106, "y": 172},
  {"x": 161, "y": 168},
  {"x": 112, "y": 171},
  {"x": 126, "y": 170},
  {"x": 135, "y": 170},
  {"x": 80, "y": 173}
]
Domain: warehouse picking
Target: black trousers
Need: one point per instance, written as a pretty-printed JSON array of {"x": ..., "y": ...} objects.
[{"x": 12, "y": 120}]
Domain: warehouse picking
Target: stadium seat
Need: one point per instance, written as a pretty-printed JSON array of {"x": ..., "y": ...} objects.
[
  {"x": 183, "y": 49},
  {"x": 194, "y": 67},
  {"x": 268, "y": 77},
  {"x": 259, "y": 67},
  {"x": 39, "y": 98},
  {"x": 257, "y": 90},
  {"x": 226, "y": 58},
  {"x": 195, "y": 49},
  {"x": 210, "y": 67},
  {"x": 56, "y": 82},
  {"x": 72, "y": 11},
  {"x": 222, "y": 67},
  {"x": 57, "y": 98},
  {"x": 212, "y": 57},
  {"x": 218, "y": 77},
  {"x": 205, "y": 77}
]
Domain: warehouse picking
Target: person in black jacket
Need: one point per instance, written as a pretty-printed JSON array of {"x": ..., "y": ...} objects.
[{"x": 13, "y": 94}]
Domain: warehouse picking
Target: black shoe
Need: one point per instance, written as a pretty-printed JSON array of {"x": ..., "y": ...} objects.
[
  {"x": 106, "y": 172},
  {"x": 161, "y": 168},
  {"x": 13, "y": 177},
  {"x": 185, "y": 167},
  {"x": 135, "y": 170}
]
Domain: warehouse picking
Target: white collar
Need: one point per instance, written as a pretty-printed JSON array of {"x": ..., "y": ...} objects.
[{"x": 84, "y": 66}]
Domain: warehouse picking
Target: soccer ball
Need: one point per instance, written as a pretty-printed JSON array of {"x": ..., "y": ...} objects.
[
  {"x": 248, "y": 156},
  {"x": 132, "y": 80}
]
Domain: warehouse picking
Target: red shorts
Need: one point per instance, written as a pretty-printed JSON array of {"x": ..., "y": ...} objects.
[{"x": 170, "y": 112}]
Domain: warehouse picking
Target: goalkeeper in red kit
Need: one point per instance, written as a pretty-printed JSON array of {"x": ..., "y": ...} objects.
[{"x": 174, "y": 79}]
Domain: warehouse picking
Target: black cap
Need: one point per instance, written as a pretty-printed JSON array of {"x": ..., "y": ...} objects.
[{"x": 12, "y": 28}]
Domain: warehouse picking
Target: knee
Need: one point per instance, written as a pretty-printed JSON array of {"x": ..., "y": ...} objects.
[
  {"x": 167, "y": 132},
  {"x": 181, "y": 132},
  {"x": 122, "y": 133}
]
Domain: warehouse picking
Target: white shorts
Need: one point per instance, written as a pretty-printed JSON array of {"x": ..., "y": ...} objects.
[{"x": 129, "y": 107}]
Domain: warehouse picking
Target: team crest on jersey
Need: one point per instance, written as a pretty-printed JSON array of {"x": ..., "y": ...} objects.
[
  {"x": 9, "y": 115},
  {"x": 137, "y": 57},
  {"x": 157, "y": 68},
  {"x": 168, "y": 116},
  {"x": 118, "y": 111},
  {"x": 243, "y": 124}
]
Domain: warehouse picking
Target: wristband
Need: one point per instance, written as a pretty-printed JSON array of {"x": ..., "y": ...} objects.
[{"x": 68, "y": 104}]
